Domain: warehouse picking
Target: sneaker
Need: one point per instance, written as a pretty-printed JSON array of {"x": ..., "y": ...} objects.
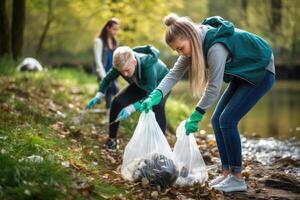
[
  {"x": 111, "y": 144},
  {"x": 231, "y": 184},
  {"x": 216, "y": 181}
]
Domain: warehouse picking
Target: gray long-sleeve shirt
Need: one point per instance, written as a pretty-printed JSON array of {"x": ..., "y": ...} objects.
[{"x": 216, "y": 59}]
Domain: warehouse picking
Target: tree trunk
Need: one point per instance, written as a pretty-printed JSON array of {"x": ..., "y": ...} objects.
[
  {"x": 244, "y": 14},
  {"x": 276, "y": 7},
  {"x": 293, "y": 55},
  {"x": 17, "y": 29},
  {"x": 46, "y": 28},
  {"x": 4, "y": 29},
  {"x": 244, "y": 5}
]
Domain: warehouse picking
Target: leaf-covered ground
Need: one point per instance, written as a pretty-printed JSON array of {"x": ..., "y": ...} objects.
[{"x": 50, "y": 150}]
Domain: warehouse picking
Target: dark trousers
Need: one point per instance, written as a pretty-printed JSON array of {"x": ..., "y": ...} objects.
[
  {"x": 110, "y": 93},
  {"x": 130, "y": 95},
  {"x": 236, "y": 101}
]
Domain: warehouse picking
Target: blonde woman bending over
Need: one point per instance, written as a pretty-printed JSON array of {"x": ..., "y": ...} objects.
[{"x": 213, "y": 51}]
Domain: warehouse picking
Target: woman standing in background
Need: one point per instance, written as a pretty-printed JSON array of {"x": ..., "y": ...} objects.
[{"x": 104, "y": 46}]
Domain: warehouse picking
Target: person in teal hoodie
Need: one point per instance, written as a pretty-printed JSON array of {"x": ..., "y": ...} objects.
[
  {"x": 212, "y": 52},
  {"x": 143, "y": 70}
]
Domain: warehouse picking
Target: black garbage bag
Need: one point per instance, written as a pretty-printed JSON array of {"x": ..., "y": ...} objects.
[{"x": 159, "y": 170}]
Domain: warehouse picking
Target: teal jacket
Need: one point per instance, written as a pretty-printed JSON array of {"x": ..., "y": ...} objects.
[
  {"x": 249, "y": 53},
  {"x": 150, "y": 70}
]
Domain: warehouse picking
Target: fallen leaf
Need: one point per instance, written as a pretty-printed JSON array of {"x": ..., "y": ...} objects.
[
  {"x": 154, "y": 194},
  {"x": 145, "y": 182}
]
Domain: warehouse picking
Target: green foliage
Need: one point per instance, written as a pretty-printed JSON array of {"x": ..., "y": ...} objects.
[
  {"x": 7, "y": 66},
  {"x": 75, "y": 24},
  {"x": 73, "y": 76},
  {"x": 176, "y": 112},
  {"x": 257, "y": 18}
]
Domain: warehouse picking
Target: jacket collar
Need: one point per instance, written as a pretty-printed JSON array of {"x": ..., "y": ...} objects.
[{"x": 138, "y": 70}]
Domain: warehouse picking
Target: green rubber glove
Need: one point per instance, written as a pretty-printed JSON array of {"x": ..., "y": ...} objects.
[
  {"x": 137, "y": 105},
  {"x": 153, "y": 99},
  {"x": 191, "y": 125}
]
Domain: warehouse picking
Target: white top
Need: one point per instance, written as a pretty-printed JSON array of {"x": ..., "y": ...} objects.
[{"x": 98, "y": 47}]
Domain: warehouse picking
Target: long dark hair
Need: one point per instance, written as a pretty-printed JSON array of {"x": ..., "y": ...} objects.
[{"x": 103, "y": 34}]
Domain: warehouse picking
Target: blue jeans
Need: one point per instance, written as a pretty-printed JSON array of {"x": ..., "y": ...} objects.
[{"x": 237, "y": 100}]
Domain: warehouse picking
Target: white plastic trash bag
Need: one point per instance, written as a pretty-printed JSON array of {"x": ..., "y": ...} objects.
[
  {"x": 148, "y": 154},
  {"x": 188, "y": 158},
  {"x": 30, "y": 64}
]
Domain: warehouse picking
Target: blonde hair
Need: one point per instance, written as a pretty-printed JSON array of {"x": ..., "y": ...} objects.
[
  {"x": 122, "y": 56},
  {"x": 184, "y": 28}
]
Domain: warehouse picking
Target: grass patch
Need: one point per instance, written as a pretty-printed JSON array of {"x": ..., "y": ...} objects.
[
  {"x": 31, "y": 151},
  {"x": 29, "y": 113},
  {"x": 7, "y": 66},
  {"x": 28, "y": 167},
  {"x": 26, "y": 179},
  {"x": 61, "y": 98},
  {"x": 105, "y": 190}
]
